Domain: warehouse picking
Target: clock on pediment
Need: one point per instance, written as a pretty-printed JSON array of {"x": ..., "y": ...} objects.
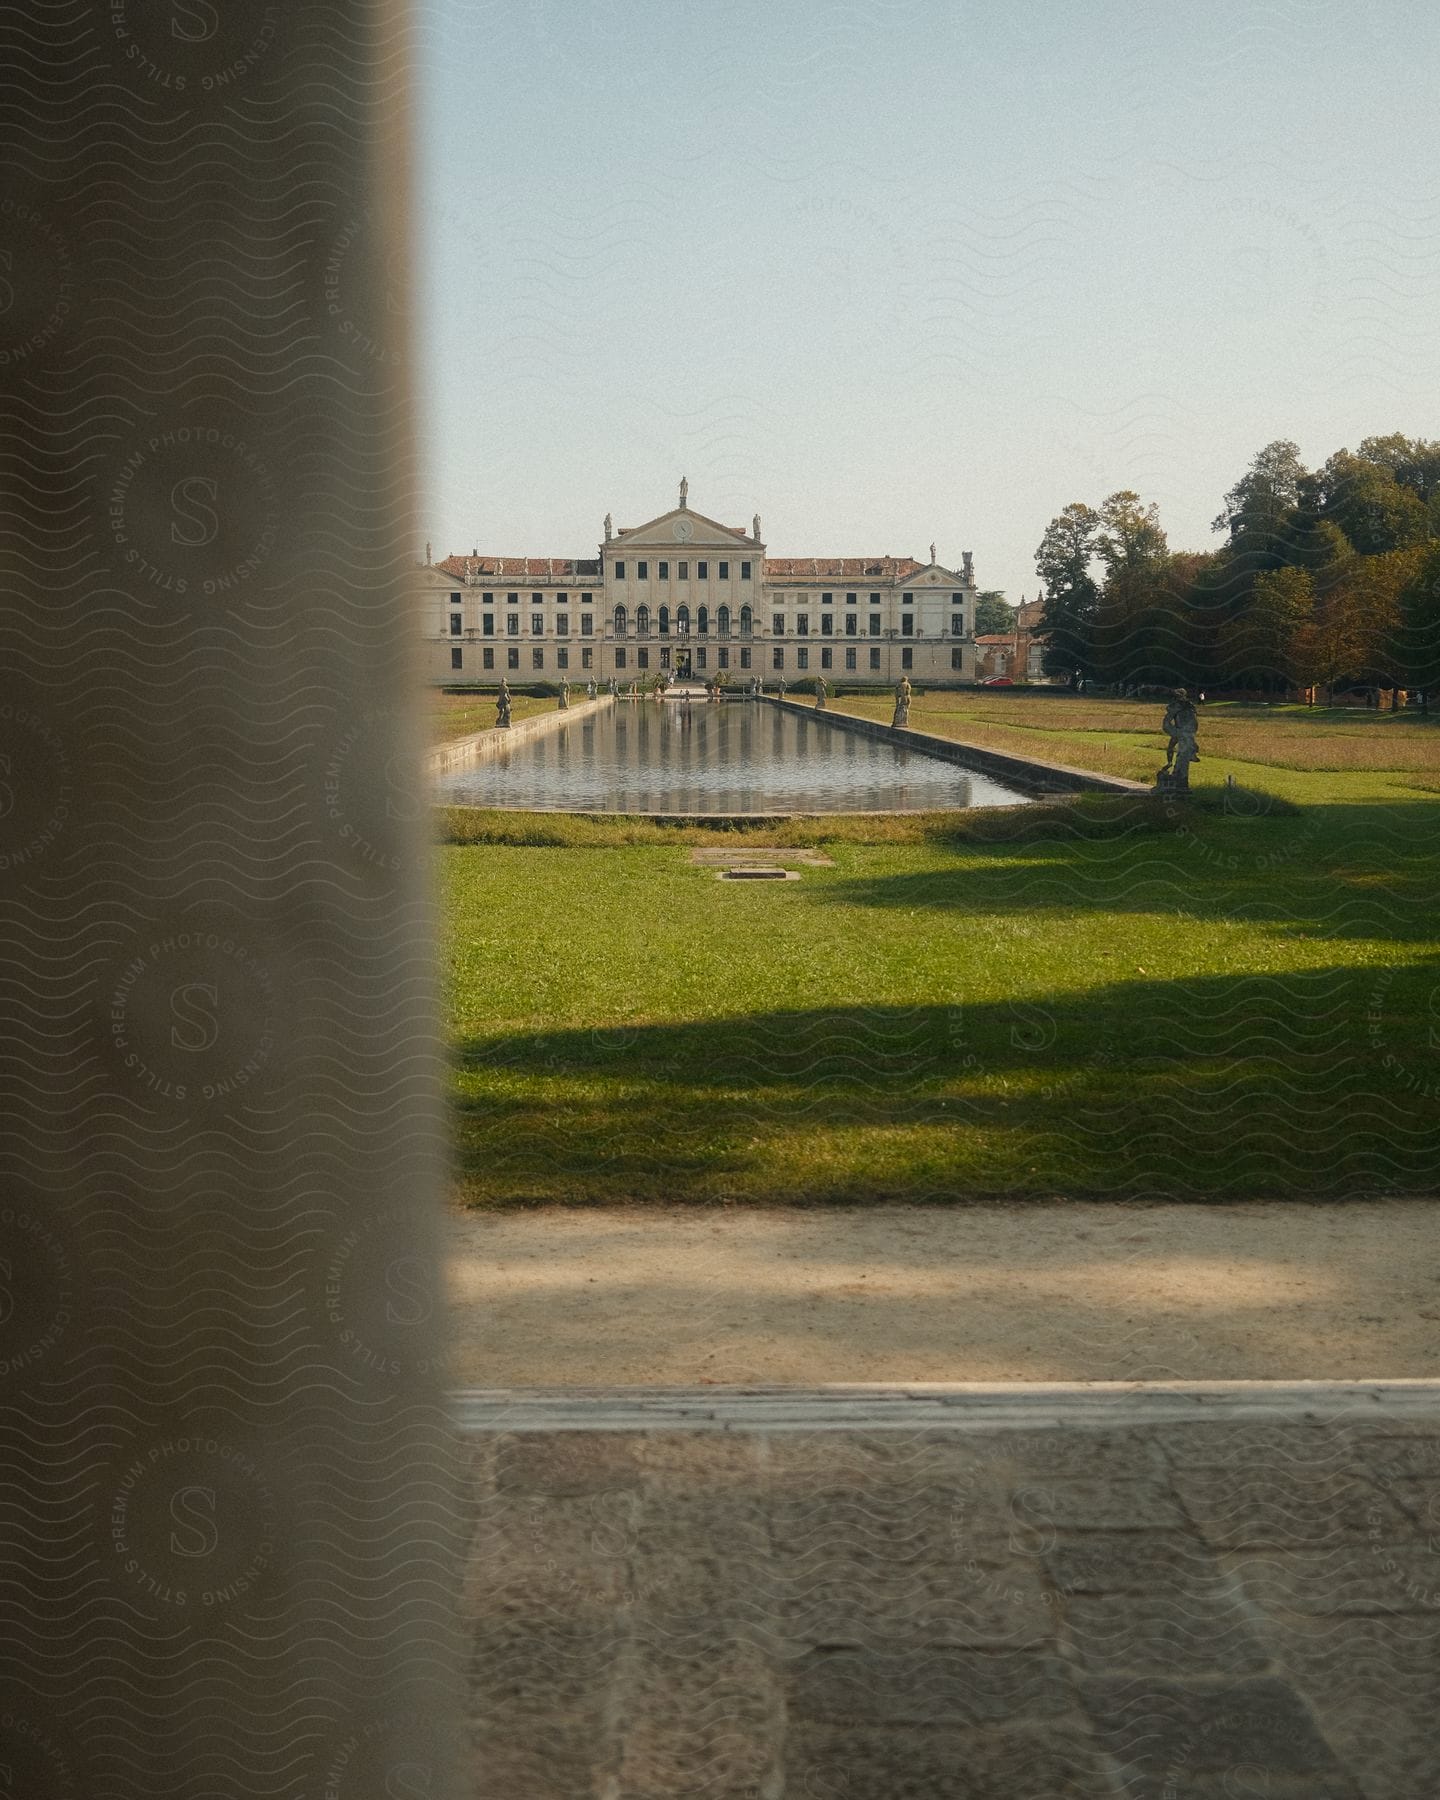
[{"x": 683, "y": 531}]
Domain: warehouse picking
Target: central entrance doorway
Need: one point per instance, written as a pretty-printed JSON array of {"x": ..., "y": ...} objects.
[{"x": 682, "y": 665}]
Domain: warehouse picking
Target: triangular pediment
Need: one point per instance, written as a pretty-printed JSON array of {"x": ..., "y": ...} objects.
[
  {"x": 934, "y": 575},
  {"x": 681, "y": 525}
]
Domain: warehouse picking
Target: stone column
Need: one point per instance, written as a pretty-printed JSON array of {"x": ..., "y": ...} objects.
[{"x": 230, "y": 1508}]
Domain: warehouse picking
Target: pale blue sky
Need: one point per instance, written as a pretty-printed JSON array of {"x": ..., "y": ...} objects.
[{"x": 893, "y": 271}]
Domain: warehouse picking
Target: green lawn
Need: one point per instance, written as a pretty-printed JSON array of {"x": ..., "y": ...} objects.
[
  {"x": 458, "y": 715},
  {"x": 1099, "y": 998}
]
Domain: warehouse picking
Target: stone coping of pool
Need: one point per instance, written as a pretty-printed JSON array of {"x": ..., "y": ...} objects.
[
  {"x": 949, "y": 1406},
  {"x": 480, "y": 746},
  {"x": 1030, "y": 772}
]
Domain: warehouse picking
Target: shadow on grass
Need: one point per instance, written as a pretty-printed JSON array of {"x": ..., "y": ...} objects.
[
  {"x": 1338, "y": 871},
  {"x": 1320, "y": 1082}
]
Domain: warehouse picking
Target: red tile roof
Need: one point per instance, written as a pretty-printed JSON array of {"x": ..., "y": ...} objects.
[{"x": 521, "y": 568}]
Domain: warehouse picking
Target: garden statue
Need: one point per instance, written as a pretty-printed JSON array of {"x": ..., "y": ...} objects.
[
  {"x": 780, "y": 688},
  {"x": 820, "y": 692},
  {"x": 902, "y": 703},
  {"x": 502, "y": 707},
  {"x": 590, "y": 689},
  {"x": 1181, "y": 725},
  {"x": 564, "y": 696}
]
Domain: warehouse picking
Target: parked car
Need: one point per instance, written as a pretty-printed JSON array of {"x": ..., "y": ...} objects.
[{"x": 998, "y": 681}]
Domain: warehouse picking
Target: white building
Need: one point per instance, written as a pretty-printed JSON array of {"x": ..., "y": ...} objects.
[{"x": 691, "y": 596}]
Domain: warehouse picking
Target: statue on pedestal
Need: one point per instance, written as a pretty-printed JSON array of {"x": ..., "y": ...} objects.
[
  {"x": 502, "y": 707},
  {"x": 684, "y": 492},
  {"x": 564, "y": 696},
  {"x": 609, "y": 528},
  {"x": 1181, "y": 725},
  {"x": 821, "y": 690},
  {"x": 968, "y": 560},
  {"x": 902, "y": 704},
  {"x": 590, "y": 689},
  {"x": 756, "y": 527}
]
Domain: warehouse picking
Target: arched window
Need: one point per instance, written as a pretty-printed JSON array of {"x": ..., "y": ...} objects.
[
  {"x": 722, "y": 620},
  {"x": 704, "y": 621},
  {"x": 620, "y": 621},
  {"x": 664, "y": 621},
  {"x": 642, "y": 621},
  {"x": 745, "y": 621},
  {"x": 682, "y": 620}
]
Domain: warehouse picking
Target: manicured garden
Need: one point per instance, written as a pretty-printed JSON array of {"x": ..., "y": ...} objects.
[{"x": 1108, "y": 996}]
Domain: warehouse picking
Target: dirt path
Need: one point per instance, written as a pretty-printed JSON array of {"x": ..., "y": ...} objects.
[{"x": 1095, "y": 1292}]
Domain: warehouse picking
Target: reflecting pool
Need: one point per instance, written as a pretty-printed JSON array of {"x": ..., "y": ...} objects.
[{"x": 676, "y": 756}]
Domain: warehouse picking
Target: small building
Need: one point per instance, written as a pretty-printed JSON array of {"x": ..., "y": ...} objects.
[
  {"x": 1017, "y": 654},
  {"x": 688, "y": 595}
]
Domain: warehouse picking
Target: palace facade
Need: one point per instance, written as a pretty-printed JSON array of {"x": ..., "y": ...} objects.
[{"x": 693, "y": 597}]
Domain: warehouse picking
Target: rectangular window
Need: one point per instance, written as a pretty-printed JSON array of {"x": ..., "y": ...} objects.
[
  {"x": 907, "y": 659},
  {"x": 802, "y": 624},
  {"x": 685, "y": 571},
  {"x": 562, "y": 599},
  {"x": 957, "y": 659},
  {"x": 487, "y": 599},
  {"x": 874, "y": 599},
  {"x": 487, "y": 657},
  {"x": 537, "y": 624},
  {"x": 777, "y": 624},
  {"x": 700, "y": 659},
  {"x": 827, "y": 624},
  {"x": 587, "y": 657},
  {"x": 777, "y": 658},
  {"x": 702, "y": 570},
  {"x": 725, "y": 571},
  {"x": 850, "y": 624},
  {"x": 826, "y": 658},
  {"x": 512, "y": 599},
  {"x": 723, "y": 658},
  {"x": 849, "y": 599},
  {"x": 562, "y": 658},
  {"x": 874, "y": 659},
  {"x": 907, "y": 625},
  {"x": 849, "y": 659},
  {"x": 455, "y": 599},
  {"x": 537, "y": 599},
  {"x": 664, "y": 659},
  {"x": 957, "y": 624},
  {"x": 957, "y": 599},
  {"x": 619, "y": 658},
  {"x": 907, "y": 599},
  {"x": 457, "y": 658},
  {"x": 802, "y": 659},
  {"x": 619, "y": 571},
  {"x": 665, "y": 571},
  {"x": 512, "y": 658},
  {"x": 642, "y": 571},
  {"x": 454, "y": 624},
  {"x": 642, "y": 657},
  {"x": 587, "y": 624},
  {"x": 827, "y": 599},
  {"x": 487, "y": 625},
  {"x": 874, "y": 624},
  {"x": 512, "y": 624},
  {"x": 744, "y": 571},
  {"x": 562, "y": 624},
  {"x": 744, "y": 659},
  {"x": 537, "y": 659}
]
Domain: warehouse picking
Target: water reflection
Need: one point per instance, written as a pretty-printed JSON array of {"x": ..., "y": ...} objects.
[{"x": 740, "y": 757}]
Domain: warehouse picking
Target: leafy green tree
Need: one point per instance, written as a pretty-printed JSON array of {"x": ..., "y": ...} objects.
[
  {"x": 1376, "y": 512},
  {"x": 993, "y": 612},
  {"x": 1271, "y": 633},
  {"x": 1259, "y": 509},
  {"x": 1413, "y": 462},
  {"x": 1416, "y": 644},
  {"x": 1063, "y": 559}
]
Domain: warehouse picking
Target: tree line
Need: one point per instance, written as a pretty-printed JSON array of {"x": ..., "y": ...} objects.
[{"x": 1327, "y": 578}]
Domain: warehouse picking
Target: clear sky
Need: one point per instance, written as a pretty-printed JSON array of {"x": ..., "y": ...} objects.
[{"x": 888, "y": 271}]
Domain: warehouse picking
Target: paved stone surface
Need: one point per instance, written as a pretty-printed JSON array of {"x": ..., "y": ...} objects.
[{"x": 1146, "y": 1608}]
